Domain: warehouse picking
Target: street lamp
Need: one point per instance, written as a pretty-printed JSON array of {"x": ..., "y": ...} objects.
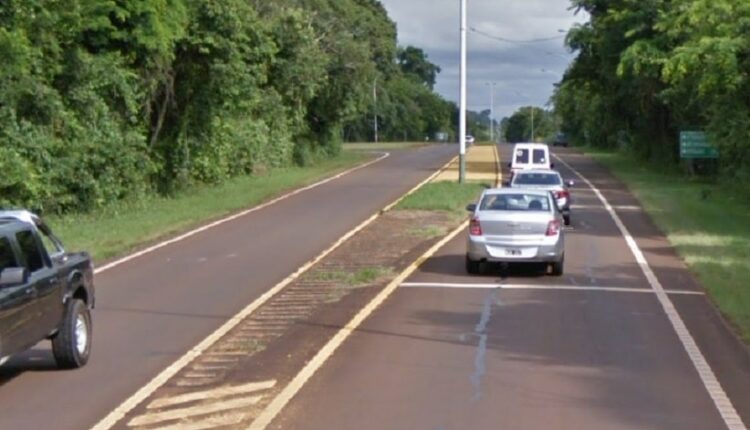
[{"x": 462, "y": 97}]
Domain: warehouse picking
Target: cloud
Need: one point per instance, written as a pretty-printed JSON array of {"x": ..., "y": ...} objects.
[{"x": 524, "y": 73}]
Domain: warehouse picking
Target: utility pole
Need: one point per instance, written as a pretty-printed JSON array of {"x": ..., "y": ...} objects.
[
  {"x": 492, "y": 110},
  {"x": 375, "y": 107},
  {"x": 532, "y": 125},
  {"x": 462, "y": 97}
]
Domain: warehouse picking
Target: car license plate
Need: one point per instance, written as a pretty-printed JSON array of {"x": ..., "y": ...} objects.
[{"x": 513, "y": 252}]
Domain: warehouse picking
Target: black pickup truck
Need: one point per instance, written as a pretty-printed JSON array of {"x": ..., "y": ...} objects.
[{"x": 45, "y": 292}]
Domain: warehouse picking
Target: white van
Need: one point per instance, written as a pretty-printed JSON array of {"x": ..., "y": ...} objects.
[{"x": 530, "y": 156}]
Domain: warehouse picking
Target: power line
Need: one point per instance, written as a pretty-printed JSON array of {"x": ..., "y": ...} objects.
[{"x": 518, "y": 42}]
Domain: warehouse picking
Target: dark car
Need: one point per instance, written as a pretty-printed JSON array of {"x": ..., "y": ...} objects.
[
  {"x": 45, "y": 292},
  {"x": 560, "y": 140}
]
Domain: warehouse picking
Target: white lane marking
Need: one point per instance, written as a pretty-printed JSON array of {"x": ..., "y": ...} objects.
[
  {"x": 203, "y": 228},
  {"x": 723, "y": 404},
  {"x": 278, "y": 403},
  {"x": 621, "y": 208},
  {"x": 545, "y": 287},
  {"x": 175, "y": 414},
  {"x": 212, "y": 394},
  {"x": 144, "y": 392},
  {"x": 221, "y": 421}
]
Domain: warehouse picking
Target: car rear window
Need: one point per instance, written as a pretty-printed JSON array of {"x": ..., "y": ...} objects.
[
  {"x": 515, "y": 202},
  {"x": 540, "y": 156},
  {"x": 522, "y": 156},
  {"x": 537, "y": 179},
  {"x": 7, "y": 258}
]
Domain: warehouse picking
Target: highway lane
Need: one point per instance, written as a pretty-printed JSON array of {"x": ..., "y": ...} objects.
[
  {"x": 454, "y": 358},
  {"x": 153, "y": 309}
]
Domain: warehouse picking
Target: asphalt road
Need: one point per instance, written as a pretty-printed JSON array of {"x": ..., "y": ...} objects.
[
  {"x": 440, "y": 357},
  {"x": 152, "y": 310}
]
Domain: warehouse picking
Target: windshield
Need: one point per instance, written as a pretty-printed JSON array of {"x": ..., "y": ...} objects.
[
  {"x": 515, "y": 202},
  {"x": 7, "y": 258},
  {"x": 537, "y": 179}
]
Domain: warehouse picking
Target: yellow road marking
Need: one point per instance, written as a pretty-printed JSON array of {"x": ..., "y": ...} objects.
[
  {"x": 212, "y": 394},
  {"x": 281, "y": 400},
  {"x": 147, "y": 390}
]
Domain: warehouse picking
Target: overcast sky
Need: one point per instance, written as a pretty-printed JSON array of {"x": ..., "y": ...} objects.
[{"x": 524, "y": 73}]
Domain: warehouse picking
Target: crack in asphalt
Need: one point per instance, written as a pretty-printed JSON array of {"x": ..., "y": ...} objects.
[{"x": 480, "y": 364}]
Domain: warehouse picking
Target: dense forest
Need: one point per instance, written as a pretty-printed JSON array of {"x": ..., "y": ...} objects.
[
  {"x": 105, "y": 100},
  {"x": 646, "y": 70}
]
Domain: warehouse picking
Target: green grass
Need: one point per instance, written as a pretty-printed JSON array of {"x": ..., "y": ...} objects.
[
  {"x": 443, "y": 196},
  {"x": 383, "y": 146},
  {"x": 121, "y": 228},
  {"x": 361, "y": 277},
  {"x": 427, "y": 232},
  {"x": 708, "y": 224}
]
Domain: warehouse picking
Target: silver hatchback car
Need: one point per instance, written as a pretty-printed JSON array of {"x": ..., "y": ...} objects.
[{"x": 511, "y": 225}]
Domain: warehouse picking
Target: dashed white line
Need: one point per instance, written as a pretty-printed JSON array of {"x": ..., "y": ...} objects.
[{"x": 723, "y": 404}]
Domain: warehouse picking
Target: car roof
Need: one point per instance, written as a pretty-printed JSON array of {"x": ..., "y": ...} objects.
[
  {"x": 533, "y": 145},
  {"x": 18, "y": 215},
  {"x": 506, "y": 190},
  {"x": 537, "y": 171}
]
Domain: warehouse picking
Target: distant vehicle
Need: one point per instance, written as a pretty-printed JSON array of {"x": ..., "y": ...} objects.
[
  {"x": 45, "y": 292},
  {"x": 527, "y": 156},
  {"x": 560, "y": 140},
  {"x": 515, "y": 226},
  {"x": 548, "y": 180},
  {"x": 469, "y": 139}
]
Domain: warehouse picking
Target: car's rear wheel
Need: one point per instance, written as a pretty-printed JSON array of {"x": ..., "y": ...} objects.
[
  {"x": 472, "y": 267},
  {"x": 71, "y": 346},
  {"x": 558, "y": 267}
]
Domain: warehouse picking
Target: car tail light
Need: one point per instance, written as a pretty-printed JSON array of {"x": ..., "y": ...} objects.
[
  {"x": 564, "y": 194},
  {"x": 553, "y": 228},
  {"x": 475, "y": 229}
]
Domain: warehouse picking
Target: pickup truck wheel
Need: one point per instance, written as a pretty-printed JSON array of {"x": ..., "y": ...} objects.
[{"x": 71, "y": 346}]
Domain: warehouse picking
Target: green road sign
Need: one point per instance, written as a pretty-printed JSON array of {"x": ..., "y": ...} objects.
[{"x": 695, "y": 144}]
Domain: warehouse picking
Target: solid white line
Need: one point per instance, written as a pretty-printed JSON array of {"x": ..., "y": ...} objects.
[
  {"x": 278, "y": 403},
  {"x": 545, "y": 287},
  {"x": 203, "y": 228},
  {"x": 175, "y": 414},
  {"x": 723, "y": 404},
  {"x": 212, "y": 394},
  {"x": 144, "y": 392}
]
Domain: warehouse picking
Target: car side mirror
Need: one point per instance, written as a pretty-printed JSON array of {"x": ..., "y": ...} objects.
[
  {"x": 471, "y": 208},
  {"x": 571, "y": 183},
  {"x": 13, "y": 276}
]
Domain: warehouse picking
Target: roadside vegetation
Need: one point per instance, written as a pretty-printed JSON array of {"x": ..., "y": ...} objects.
[
  {"x": 708, "y": 224},
  {"x": 445, "y": 196},
  {"x": 106, "y": 103},
  {"x": 124, "y": 226}
]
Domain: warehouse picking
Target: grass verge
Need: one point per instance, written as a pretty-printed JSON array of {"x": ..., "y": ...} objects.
[
  {"x": 708, "y": 225},
  {"x": 444, "y": 196},
  {"x": 116, "y": 230}
]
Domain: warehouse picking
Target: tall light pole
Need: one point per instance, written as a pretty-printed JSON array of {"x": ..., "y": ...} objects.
[
  {"x": 375, "y": 107},
  {"x": 462, "y": 97},
  {"x": 492, "y": 110}
]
